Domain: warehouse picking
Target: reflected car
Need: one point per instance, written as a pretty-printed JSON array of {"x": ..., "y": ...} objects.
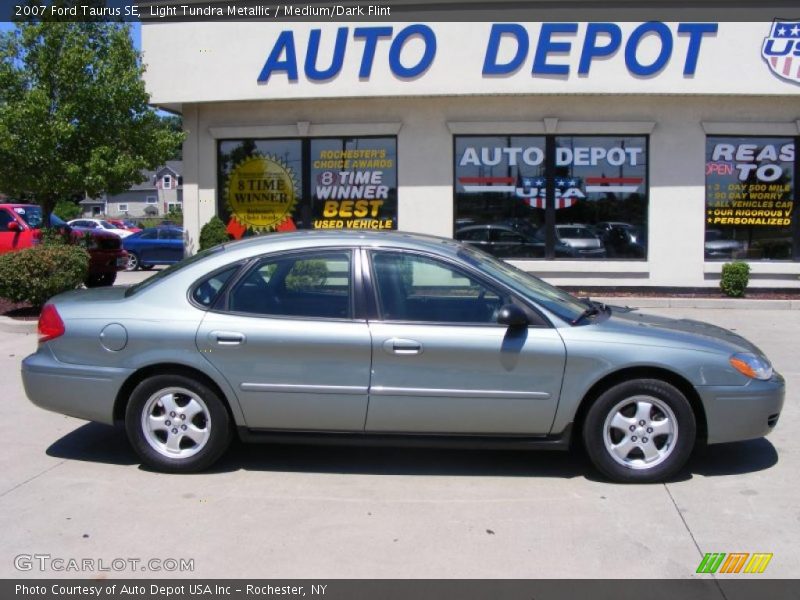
[
  {"x": 579, "y": 241},
  {"x": 154, "y": 246},
  {"x": 368, "y": 337},
  {"x": 125, "y": 224},
  {"x": 501, "y": 240},
  {"x": 622, "y": 240},
  {"x": 719, "y": 246}
]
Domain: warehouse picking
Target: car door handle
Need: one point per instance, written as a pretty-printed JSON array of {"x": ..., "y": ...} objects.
[
  {"x": 227, "y": 338},
  {"x": 403, "y": 347}
]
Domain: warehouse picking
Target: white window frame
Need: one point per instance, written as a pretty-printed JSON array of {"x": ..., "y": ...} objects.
[
  {"x": 122, "y": 207},
  {"x": 171, "y": 205},
  {"x": 151, "y": 200},
  {"x": 167, "y": 182}
]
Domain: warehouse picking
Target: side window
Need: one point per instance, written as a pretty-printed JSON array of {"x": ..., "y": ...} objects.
[
  {"x": 306, "y": 285},
  {"x": 149, "y": 235},
  {"x": 508, "y": 236},
  {"x": 170, "y": 234},
  {"x": 419, "y": 289},
  {"x": 5, "y": 219},
  {"x": 206, "y": 291}
]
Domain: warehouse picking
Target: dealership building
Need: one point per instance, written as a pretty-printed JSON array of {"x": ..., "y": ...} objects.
[{"x": 615, "y": 153}]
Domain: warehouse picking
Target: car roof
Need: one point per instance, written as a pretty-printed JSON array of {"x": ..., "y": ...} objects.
[{"x": 333, "y": 238}]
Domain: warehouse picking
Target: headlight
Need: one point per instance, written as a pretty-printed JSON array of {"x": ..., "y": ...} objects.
[{"x": 751, "y": 366}]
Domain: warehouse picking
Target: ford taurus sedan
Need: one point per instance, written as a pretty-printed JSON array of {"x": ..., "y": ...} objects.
[{"x": 365, "y": 337}]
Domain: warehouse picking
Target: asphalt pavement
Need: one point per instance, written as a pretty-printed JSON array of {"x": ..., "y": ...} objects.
[{"x": 74, "y": 490}]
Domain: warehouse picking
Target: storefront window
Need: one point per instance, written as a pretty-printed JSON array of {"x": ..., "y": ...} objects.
[
  {"x": 750, "y": 193},
  {"x": 321, "y": 183},
  {"x": 552, "y": 196}
]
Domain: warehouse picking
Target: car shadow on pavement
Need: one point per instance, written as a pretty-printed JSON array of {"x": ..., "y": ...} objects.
[
  {"x": 734, "y": 458},
  {"x": 94, "y": 442}
]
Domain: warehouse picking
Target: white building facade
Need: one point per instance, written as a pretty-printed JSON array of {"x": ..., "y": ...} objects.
[{"x": 593, "y": 154}]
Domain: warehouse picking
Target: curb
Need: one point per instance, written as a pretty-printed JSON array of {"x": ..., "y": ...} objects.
[
  {"x": 719, "y": 303},
  {"x": 9, "y": 325}
]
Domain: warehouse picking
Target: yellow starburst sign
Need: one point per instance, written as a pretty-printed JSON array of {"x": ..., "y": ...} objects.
[{"x": 261, "y": 192}]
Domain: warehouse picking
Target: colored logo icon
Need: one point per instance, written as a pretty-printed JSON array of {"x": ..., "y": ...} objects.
[{"x": 735, "y": 562}]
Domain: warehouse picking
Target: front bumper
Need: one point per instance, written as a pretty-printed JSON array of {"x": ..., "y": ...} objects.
[
  {"x": 82, "y": 391},
  {"x": 736, "y": 413}
]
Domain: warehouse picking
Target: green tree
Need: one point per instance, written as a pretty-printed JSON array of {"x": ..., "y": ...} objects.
[{"x": 74, "y": 117}]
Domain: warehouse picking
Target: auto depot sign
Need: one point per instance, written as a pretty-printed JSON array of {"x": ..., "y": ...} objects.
[{"x": 259, "y": 60}]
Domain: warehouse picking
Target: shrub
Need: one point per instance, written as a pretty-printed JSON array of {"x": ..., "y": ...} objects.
[
  {"x": 735, "y": 277},
  {"x": 213, "y": 233},
  {"x": 34, "y": 275}
]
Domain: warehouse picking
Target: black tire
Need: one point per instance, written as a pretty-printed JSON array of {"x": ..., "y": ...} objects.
[
  {"x": 100, "y": 279},
  {"x": 146, "y": 267},
  {"x": 620, "y": 452},
  {"x": 213, "y": 424},
  {"x": 133, "y": 261}
]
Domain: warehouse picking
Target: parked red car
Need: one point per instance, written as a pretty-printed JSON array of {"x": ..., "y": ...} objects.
[
  {"x": 20, "y": 228},
  {"x": 125, "y": 224}
]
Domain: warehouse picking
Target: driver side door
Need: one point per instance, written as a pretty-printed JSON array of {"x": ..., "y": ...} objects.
[{"x": 441, "y": 364}]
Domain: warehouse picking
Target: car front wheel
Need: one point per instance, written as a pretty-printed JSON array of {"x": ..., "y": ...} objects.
[
  {"x": 177, "y": 424},
  {"x": 640, "y": 431}
]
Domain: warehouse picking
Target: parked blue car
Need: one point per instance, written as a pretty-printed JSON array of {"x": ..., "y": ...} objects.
[{"x": 154, "y": 246}]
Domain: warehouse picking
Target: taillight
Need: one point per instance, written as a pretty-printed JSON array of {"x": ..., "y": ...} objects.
[{"x": 50, "y": 324}]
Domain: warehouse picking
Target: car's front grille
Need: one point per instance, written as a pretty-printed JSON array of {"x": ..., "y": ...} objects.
[{"x": 772, "y": 420}]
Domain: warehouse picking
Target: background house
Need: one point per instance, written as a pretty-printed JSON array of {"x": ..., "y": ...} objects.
[{"x": 160, "y": 193}]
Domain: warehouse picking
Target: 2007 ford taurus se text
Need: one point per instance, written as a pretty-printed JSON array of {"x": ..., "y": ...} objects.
[{"x": 349, "y": 336}]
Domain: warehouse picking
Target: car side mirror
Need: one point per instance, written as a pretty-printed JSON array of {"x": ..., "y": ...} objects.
[
  {"x": 512, "y": 315},
  {"x": 13, "y": 226}
]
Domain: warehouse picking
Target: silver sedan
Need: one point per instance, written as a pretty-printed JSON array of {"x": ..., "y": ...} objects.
[{"x": 375, "y": 337}]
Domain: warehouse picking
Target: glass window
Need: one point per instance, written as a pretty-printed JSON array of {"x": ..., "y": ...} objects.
[
  {"x": 563, "y": 196},
  {"x": 149, "y": 234},
  {"x": 354, "y": 183},
  {"x": 167, "y": 182},
  {"x": 307, "y": 285},
  {"x": 151, "y": 200},
  {"x": 351, "y": 183},
  {"x": 32, "y": 215},
  {"x": 170, "y": 234},
  {"x": 750, "y": 193},
  {"x": 123, "y": 208},
  {"x": 5, "y": 219},
  {"x": 207, "y": 291},
  {"x": 419, "y": 289}
]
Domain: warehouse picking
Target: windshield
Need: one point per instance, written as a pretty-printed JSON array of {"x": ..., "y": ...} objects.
[
  {"x": 574, "y": 232},
  {"x": 557, "y": 301},
  {"x": 172, "y": 269},
  {"x": 107, "y": 225}
]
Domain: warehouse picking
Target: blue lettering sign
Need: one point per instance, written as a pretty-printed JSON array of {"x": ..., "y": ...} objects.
[{"x": 518, "y": 33}]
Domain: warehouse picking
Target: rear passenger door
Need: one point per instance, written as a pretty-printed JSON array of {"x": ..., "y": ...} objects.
[{"x": 286, "y": 339}]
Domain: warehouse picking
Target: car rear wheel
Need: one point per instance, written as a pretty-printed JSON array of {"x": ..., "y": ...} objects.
[
  {"x": 133, "y": 262},
  {"x": 176, "y": 424},
  {"x": 640, "y": 431}
]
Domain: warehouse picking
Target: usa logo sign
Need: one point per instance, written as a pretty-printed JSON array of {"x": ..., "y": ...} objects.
[{"x": 781, "y": 50}]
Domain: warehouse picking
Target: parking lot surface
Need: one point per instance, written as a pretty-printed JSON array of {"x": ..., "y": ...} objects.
[{"x": 70, "y": 489}]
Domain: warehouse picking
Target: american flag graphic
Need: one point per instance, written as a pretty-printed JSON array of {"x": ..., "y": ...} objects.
[
  {"x": 781, "y": 50},
  {"x": 618, "y": 185}
]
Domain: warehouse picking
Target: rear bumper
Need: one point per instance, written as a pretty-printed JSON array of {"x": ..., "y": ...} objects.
[
  {"x": 85, "y": 392},
  {"x": 736, "y": 413}
]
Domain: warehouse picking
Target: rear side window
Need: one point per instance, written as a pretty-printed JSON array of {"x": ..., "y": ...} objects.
[
  {"x": 305, "y": 285},
  {"x": 5, "y": 219},
  {"x": 206, "y": 292}
]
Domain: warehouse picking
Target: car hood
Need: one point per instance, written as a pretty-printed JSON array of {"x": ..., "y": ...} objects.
[{"x": 676, "y": 332}]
